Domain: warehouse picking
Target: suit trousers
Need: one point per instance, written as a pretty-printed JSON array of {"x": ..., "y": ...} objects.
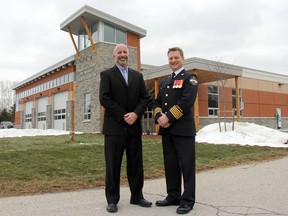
[
  {"x": 115, "y": 147},
  {"x": 179, "y": 161}
]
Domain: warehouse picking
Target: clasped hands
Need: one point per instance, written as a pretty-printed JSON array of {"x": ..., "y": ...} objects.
[
  {"x": 163, "y": 121},
  {"x": 130, "y": 118}
]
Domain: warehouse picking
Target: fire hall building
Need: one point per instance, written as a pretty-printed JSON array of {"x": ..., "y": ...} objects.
[{"x": 65, "y": 95}]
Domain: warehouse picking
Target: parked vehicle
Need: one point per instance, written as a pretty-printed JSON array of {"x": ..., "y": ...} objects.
[{"x": 6, "y": 125}]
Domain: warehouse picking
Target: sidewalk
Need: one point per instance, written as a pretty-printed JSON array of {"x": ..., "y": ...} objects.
[{"x": 252, "y": 190}]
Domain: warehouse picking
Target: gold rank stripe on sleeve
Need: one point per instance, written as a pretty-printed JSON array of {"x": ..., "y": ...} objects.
[
  {"x": 176, "y": 112},
  {"x": 157, "y": 110}
]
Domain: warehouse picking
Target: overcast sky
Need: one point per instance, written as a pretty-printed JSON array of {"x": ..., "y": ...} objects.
[{"x": 248, "y": 33}]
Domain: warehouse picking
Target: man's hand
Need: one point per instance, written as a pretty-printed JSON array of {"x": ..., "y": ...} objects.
[
  {"x": 163, "y": 121},
  {"x": 130, "y": 118}
]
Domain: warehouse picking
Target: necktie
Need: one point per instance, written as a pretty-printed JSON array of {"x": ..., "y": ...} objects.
[
  {"x": 125, "y": 74},
  {"x": 173, "y": 75}
]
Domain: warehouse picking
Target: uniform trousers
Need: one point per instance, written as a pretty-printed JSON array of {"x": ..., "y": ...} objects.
[
  {"x": 179, "y": 162},
  {"x": 115, "y": 147}
]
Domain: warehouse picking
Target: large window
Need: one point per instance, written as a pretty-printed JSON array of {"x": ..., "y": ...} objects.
[
  {"x": 109, "y": 33},
  {"x": 83, "y": 38},
  {"x": 84, "y": 41},
  {"x": 87, "y": 106},
  {"x": 120, "y": 36},
  {"x": 113, "y": 34},
  {"x": 213, "y": 100}
]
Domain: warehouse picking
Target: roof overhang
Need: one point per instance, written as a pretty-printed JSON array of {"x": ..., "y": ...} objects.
[
  {"x": 50, "y": 70},
  {"x": 91, "y": 16},
  {"x": 206, "y": 70}
]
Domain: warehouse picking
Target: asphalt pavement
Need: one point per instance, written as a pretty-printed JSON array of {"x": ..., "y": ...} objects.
[{"x": 258, "y": 189}]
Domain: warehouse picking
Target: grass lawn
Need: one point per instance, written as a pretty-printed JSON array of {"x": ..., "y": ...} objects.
[{"x": 51, "y": 163}]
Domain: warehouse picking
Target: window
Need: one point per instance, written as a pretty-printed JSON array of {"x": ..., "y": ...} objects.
[
  {"x": 87, "y": 106},
  {"x": 59, "y": 114},
  {"x": 114, "y": 35},
  {"x": 94, "y": 32},
  {"x": 81, "y": 41},
  {"x": 120, "y": 36},
  {"x": 87, "y": 41},
  {"x": 234, "y": 100},
  {"x": 71, "y": 77},
  {"x": 109, "y": 33},
  {"x": 48, "y": 85},
  {"x": 213, "y": 100},
  {"x": 28, "y": 117},
  {"x": 41, "y": 116}
]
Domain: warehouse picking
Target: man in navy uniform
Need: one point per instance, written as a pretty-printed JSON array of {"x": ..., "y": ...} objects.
[{"x": 174, "y": 113}]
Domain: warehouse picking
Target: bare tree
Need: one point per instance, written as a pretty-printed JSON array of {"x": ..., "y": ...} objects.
[
  {"x": 222, "y": 70},
  {"x": 7, "y": 95}
]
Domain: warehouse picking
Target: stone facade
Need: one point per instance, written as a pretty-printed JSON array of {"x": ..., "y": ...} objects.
[
  {"x": 88, "y": 69},
  {"x": 69, "y": 115},
  {"x": 49, "y": 116},
  {"x": 34, "y": 118}
]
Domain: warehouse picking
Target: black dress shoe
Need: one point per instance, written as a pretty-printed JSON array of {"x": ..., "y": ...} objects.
[
  {"x": 183, "y": 209},
  {"x": 166, "y": 202},
  {"x": 142, "y": 202},
  {"x": 111, "y": 207}
]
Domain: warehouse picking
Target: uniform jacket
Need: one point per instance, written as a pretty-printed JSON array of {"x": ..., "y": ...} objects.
[
  {"x": 118, "y": 98},
  {"x": 176, "y": 99}
]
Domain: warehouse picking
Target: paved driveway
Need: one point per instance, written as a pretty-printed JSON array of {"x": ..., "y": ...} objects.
[{"x": 259, "y": 189}]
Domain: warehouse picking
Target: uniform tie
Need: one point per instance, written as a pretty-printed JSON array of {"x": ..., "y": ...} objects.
[{"x": 173, "y": 75}]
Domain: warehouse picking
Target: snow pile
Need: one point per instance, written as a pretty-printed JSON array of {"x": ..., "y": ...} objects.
[{"x": 244, "y": 134}]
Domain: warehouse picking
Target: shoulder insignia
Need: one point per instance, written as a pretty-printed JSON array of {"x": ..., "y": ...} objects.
[{"x": 193, "y": 80}]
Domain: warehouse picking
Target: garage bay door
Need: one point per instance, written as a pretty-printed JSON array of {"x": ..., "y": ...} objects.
[
  {"x": 41, "y": 112},
  {"x": 59, "y": 111},
  {"x": 28, "y": 115}
]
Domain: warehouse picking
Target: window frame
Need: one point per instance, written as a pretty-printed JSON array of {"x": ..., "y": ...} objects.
[
  {"x": 87, "y": 107},
  {"x": 213, "y": 96}
]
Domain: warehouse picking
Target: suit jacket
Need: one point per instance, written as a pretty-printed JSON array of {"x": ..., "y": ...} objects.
[
  {"x": 118, "y": 98},
  {"x": 176, "y": 99}
]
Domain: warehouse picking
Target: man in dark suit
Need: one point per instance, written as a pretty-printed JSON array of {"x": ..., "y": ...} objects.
[
  {"x": 123, "y": 95},
  {"x": 174, "y": 113}
]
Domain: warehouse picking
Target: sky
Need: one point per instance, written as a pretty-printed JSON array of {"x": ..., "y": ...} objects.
[
  {"x": 244, "y": 133},
  {"x": 248, "y": 33}
]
